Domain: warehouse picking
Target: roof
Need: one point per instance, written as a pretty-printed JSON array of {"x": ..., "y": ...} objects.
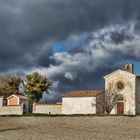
[
  {"x": 83, "y": 93},
  {"x": 23, "y": 97},
  {"x": 119, "y": 70},
  {"x": 19, "y": 96}
]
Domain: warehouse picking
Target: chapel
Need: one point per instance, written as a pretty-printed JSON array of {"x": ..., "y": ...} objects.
[{"x": 124, "y": 82}]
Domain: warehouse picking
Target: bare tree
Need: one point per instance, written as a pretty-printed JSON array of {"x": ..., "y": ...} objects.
[{"x": 107, "y": 100}]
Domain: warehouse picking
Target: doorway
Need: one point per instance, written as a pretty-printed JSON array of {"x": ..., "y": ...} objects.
[{"x": 120, "y": 108}]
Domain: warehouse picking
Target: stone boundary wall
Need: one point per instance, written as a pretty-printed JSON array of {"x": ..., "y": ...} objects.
[
  {"x": 11, "y": 110},
  {"x": 47, "y": 108}
]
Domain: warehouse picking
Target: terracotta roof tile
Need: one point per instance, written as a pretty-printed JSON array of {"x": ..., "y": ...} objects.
[
  {"x": 20, "y": 96},
  {"x": 23, "y": 97},
  {"x": 83, "y": 93}
]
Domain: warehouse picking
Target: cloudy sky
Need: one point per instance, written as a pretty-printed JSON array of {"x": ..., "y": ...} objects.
[{"x": 73, "y": 42}]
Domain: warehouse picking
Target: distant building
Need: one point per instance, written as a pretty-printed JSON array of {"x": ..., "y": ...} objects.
[
  {"x": 124, "y": 82},
  {"x": 80, "y": 102},
  {"x": 18, "y": 100},
  {"x": 14, "y": 105}
]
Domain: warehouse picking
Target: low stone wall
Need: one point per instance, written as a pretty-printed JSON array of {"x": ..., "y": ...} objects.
[
  {"x": 47, "y": 108},
  {"x": 11, "y": 110}
]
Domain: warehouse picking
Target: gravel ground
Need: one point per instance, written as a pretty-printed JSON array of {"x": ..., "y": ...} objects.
[{"x": 70, "y": 128}]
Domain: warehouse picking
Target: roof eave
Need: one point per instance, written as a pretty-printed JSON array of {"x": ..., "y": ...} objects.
[
  {"x": 118, "y": 70},
  {"x": 11, "y": 96}
]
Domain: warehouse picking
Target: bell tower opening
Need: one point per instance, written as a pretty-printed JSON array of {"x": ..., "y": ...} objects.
[{"x": 129, "y": 68}]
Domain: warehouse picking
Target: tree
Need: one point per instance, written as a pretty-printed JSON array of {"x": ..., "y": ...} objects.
[
  {"x": 35, "y": 85},
  {"x": 107, "y": 100},
  {"x": 9, "y": 84}
]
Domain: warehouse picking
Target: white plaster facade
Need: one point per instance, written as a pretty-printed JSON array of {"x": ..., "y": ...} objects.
[
  {"x": 79, "y": 105},
  {"x": 130, "y": 92}
]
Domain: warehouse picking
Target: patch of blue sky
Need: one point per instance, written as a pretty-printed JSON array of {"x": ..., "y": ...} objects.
[
  {"x": 68, "y": 44},
  {"x": 136, "y": 65},
  {"x": 64, "y": 46}
]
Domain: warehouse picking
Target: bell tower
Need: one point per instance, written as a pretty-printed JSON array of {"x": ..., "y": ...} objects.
[{"x": 129, "y": 68}]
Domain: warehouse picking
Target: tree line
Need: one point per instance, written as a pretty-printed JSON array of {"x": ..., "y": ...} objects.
[{"x": 32, "y": 85}]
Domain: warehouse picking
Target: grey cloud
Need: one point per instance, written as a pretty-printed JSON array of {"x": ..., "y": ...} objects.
[
  {"x": 100, "y": 56},
  {"x": 26, "y": 25},
  {"x": 119, "y": 37},
  {"x": 28, "y": 29}
]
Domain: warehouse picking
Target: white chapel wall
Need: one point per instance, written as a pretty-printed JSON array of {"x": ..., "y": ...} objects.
[{"x": 79, "y": 105}]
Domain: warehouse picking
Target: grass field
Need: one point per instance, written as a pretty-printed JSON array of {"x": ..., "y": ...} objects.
[{"x": 70, "y": 128}]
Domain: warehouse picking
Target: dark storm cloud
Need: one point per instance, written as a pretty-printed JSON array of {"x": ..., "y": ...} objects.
[
  {"x": 58, "y": 19},
  {"x": 28, "y": 28},
  {"x": 119, "y": 37},
  {"x": 25, "y": 26},
  {"x": 84, "y": 69},
  {"x": 76, "y": 50}
]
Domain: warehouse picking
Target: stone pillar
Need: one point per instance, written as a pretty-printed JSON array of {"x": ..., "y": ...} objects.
[
  {"x": 1, "y": 101},
  {"x": 21, "y": 109},
  {"x": 34, "y": 108}
]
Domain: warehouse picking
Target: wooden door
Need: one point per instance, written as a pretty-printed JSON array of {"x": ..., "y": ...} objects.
[{"x": 120, "y": 108}]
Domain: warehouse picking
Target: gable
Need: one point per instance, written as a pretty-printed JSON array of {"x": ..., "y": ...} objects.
[
  {"x": 12, "y": 96},
  {"x": 123, "y": 73},
  {"x": 13, "y": 100},
  {"x": 18, "y": 96}
]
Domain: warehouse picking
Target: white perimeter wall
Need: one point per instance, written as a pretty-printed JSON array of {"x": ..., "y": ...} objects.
[
  {"x": 79, "y": 105},
  {"x": 11, "y": 110},
  {"x": 47, "y": 109}
]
